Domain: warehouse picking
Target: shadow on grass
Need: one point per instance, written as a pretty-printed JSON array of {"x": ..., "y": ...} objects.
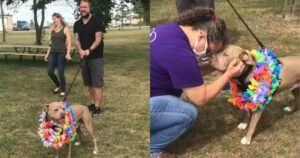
[{"x": 219, "y": 119}]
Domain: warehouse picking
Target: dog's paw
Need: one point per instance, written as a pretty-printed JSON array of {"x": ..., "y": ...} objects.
[
  {"x": 95, "y": 152},
  {"x": 288, "y": 109},
  {"x": 245, "y": 141},
  {"x": 242, "y": 125},
  {"x": 77, "y": 143}
]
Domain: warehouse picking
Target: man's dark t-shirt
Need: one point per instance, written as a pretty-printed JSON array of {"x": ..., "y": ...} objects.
[{"x": 86, "y": 34}]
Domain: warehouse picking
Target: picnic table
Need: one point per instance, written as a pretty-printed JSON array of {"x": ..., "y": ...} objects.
[{"x": 26, "y": 50}]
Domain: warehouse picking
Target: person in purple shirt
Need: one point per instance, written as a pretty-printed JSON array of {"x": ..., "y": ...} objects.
[{"x": 174, "y": 70}]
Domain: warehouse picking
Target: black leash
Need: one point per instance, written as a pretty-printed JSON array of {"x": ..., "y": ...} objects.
[
  {"x": 257, "y": 40},
  {"x": 66, "y": 95}
]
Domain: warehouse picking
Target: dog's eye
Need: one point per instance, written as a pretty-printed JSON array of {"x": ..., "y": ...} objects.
[
  {"x": 63, "y": 108},
  {"x": 55, "y": 110}
]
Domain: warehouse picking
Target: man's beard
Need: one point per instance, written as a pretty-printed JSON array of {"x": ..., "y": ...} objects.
[{"x": 85, "y": 16}]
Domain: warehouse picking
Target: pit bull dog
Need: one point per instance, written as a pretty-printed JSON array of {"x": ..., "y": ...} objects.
[
  {"x": 56, "y": 112},
  {"x": 290, "y": 80}
]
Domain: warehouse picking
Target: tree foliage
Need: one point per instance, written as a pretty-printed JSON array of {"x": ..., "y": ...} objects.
[
  {"x": 145, "y": 4},
  {"x": 101, "y": 8}
]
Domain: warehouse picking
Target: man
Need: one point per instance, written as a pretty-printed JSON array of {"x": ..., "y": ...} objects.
[
  {"x": 88, "y": 33},
  {"x": 184, "y": 5}
]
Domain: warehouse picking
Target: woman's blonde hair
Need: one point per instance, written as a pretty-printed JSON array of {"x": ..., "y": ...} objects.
[{"x": 57, "y": 15}]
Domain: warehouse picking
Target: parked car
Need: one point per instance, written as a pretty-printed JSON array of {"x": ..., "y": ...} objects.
[{"x": 21, "y": 25}]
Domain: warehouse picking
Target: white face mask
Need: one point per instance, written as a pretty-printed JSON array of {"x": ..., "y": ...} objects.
[{"x": 196, "y": 45}]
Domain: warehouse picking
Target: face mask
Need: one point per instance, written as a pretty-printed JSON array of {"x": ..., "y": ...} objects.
[
  {"x": 201, "y": 56},
  {"x": 202, "y": 52}
]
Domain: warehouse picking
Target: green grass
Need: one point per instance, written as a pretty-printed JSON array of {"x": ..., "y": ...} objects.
[
  {"x": 262, "y": 16},
  {"x": 215, "y": 133},
  {"x": 122, "y": 130}
]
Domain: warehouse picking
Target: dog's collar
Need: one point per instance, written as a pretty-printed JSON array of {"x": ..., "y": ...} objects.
[
  {"x": 241, "y": 79},
  {"x": 56, "y": 134},
  {"x": 263, "y": 84}
]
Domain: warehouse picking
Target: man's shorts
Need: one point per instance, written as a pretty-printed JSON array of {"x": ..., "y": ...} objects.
[{"x": 92, "y": 72}]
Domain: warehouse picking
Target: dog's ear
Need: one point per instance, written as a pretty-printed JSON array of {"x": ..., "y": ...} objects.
[
  {"x": 246, "y": 58},
  {"x": 46, "y": 108}
]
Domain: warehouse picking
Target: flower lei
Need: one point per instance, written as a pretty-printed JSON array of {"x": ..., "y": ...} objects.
[
  {"x": 265, "y": 81},
  {"x": 56, "y": 134}
]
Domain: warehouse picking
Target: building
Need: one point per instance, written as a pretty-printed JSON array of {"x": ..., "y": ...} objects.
[
  {"x": 8, "y": 23},
  {"x": 132, "y": 19}
]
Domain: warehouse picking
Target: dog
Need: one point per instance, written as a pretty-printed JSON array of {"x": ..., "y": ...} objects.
[
  {"x": 290, "y": 80},
  {"x": 56, "y": 112}
]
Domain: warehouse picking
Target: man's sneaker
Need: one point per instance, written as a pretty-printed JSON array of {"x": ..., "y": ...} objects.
[
  {"x": 62, "y": 94},
  {"x": 96, "y": 112},
  {"x": 91, "y": 107},
  {"x": 56, "y": 90}
]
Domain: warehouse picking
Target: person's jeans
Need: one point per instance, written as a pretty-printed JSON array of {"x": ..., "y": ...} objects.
[
  {"x": 57, "y": 60},
  {"x": 170, "y": 117}
]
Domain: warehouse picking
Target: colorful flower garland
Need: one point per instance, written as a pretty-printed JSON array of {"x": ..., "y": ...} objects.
[
  {"x": 56, "y": 134},
  {"x": 263, "y": 84}
]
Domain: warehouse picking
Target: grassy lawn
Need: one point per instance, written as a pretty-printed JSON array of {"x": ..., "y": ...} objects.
[
  {"x": 122, "y": 130},
  {"x": 215, "y": 134}
]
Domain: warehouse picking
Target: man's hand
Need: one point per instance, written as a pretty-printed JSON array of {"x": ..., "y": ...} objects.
[{"x": 81, "y": 54}]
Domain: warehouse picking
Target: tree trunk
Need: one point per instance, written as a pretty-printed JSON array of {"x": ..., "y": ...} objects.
[
  {"x": 3, "y": 25},
  {"x": 38, "y": 28},
  {"x": 122, "y": 23},
  {"x": 291, "y": 9},
  {"x": 140, "y": 24}
]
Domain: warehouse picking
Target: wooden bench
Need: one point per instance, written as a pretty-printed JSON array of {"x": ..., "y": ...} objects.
[
  {"x": 19, "y": 50},
  {"x": 6, "y": 54}
]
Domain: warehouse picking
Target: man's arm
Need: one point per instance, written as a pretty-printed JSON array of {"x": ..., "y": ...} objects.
[
  {"x": 98, "y": 39},
  {"x": 77, "y": 42},
  {"x": 78, "y": 46}
]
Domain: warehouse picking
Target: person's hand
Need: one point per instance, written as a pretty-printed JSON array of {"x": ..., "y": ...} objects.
[
  {"x": 81, "y": 54},
  {"x": 87, "y": 52},
  {"x": 235, "y": 68},
  {"x": 46, "y": 58},
  {"x": 68, "y": 57}
]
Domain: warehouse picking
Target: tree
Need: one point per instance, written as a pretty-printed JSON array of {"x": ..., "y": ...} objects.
[
  {"x": 139, "y": 9},
  {"x": 291, "y": 9},
  {"x": 122, "y": 12},
  {"x": 8, "y": 2},
  {"x": 2, "y": 19},
  {"x": 39, "y": 5},
  {"x": 31, "y": 24},
  {"x": 101, "y": 8},
  {"x": 145, "y": 4}
]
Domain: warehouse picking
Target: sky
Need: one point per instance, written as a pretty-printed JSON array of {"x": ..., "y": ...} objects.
[
  {"x": 65, "y": 7},
  {"x": 24, "y": 12}
]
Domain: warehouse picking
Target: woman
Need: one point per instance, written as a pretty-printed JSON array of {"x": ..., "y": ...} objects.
[
  {"x": 174, "y": 70},
  {"x": 58, "y": 52}
]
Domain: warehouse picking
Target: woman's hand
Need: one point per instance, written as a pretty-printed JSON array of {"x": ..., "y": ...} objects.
[
  {"x": 68, "y": 57},
  {"x": 235, "y": 68},
  {"x": 46, "y": 58}
]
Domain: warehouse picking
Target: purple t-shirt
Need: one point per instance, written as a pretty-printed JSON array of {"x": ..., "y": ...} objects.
[{"x": 173, "y": 65}]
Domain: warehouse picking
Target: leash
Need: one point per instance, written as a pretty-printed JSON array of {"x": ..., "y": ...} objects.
[
  {"x": 65, "y": 98},
  {"x": 257, "y": 40}
]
